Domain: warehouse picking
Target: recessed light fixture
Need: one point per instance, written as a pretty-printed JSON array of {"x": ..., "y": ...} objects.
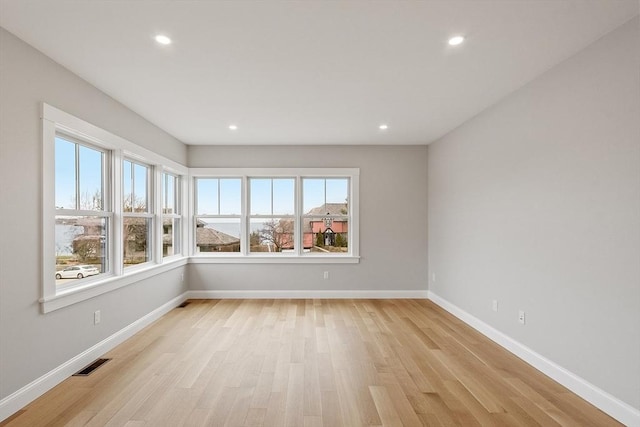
[
  {"x": 162, "y": 39},
  {"x": 233, "y": 127},
  {"x": 456, "y": 40},
  {"x": 383, "y": 127}
]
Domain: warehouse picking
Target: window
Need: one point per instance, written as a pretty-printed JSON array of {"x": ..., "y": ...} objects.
[
  {"x": 99, "y": 210},
  {"x": 308, "y": 215},
  {"x": 271, "y": 220},
  {"x": 325, "y": 220},
  {"x": 137, "y": 217},
  {"x": 82, "y": 219},
  {"x": 218, "y": 214},
  {"x": 171, "y": 215}
]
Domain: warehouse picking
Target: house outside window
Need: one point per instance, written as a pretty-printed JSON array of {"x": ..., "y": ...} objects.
[{"x": 325, "y": 222}]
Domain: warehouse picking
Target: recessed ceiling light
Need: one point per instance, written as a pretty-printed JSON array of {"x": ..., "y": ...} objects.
[
  {"x": 383, "y": 127},
  {"x": 456, "y": 40},
  {"x": 162, "y": 39},
  {"x": 233, "y": 127}
]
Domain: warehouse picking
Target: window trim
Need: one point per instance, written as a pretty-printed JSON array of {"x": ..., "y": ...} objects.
[
  {"x": 352, "y": 257},
  {"x": 55, "y": 121}
]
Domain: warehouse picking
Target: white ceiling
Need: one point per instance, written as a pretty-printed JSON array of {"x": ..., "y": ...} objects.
[{"x": 310, "y": 72}]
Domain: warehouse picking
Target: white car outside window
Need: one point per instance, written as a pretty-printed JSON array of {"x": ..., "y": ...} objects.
[{"x": 77, "y": 272}]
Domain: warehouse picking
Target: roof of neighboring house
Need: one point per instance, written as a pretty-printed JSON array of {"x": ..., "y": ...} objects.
[
  {"x": 326, "y": 209},
  {"x": 330, "y": 209},
  {"x": 209, "y": 237}
]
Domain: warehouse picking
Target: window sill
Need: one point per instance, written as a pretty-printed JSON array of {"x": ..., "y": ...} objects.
[
  {"x": 273, "y": 259},
  {"x": 76, "y": 294}
]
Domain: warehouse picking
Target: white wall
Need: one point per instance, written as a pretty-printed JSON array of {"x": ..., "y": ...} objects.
[
  {"x": 536, "y": 203},
  {"x": 393, "y": 230},
  {"x": 32, "y": 344}
]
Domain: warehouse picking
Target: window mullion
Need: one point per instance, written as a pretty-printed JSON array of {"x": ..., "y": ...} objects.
[
  {"x": 156, "y": 187},
  {"x": 77, "y": 167},
  {"x": 117, "y": 232},
  {"x": 245, "y": 234},
  {"x": 298, "y": 223}
]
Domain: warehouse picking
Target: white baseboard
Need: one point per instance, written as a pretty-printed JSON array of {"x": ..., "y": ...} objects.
[
  {"x": 604, "y": 401},
  {"x": 301, "y": 294},
  {"x": 19, "y": 399}
]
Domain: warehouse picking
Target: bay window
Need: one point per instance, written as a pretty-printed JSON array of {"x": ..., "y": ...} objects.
[{"x": 107, "y": 206}]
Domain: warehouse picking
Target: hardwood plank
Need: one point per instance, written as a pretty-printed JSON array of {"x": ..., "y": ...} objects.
[{"x": 310, "y": 363}]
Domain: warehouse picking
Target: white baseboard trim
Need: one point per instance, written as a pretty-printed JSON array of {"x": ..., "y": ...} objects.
[
  {"x": 301, "y": 294},
  {"x": 19, "y": 399},
  {"x": 604, "y": 401}
]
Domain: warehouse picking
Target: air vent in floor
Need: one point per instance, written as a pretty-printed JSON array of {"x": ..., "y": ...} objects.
[{"x": 87, "y": 370}]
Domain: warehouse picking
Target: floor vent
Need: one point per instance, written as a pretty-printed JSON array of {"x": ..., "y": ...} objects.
[
  {"x": 184, "y": 304},
  {"x": 88, "y": 370}
]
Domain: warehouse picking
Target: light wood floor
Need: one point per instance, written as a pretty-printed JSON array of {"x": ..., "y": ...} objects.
[{"x": 310, "y": 363}]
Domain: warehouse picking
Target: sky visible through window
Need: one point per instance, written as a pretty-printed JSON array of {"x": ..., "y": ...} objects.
[
  {"x": 135, "y": 178},
  {"x": 316, "y": 192},
  {"x": 262, "y": 190},
  {"x": 90, "y": 163}
]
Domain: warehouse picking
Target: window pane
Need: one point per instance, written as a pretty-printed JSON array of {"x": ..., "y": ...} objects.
[
  {"x": 65, "y": 174},
  {"x": 169, "y": 199},
  {"x": 81, "y": 247},
  {"x": 325, "y": 196},
  {"x": 325, "y": 235},
  {"x": 135, "y": 178},
  {"x": 283, "y": 196},
  {"x": 207, "y": 196},
  {"x": 127, "y": 186},
  {"x": 141, "y": 177},
  {"x": 272, "y": 235},
  {"x": 312, "y": 194},
  {"x": 170, "y": 236},
  {"x": 272, "y": 196},
  {"x": 136, "y": 240},
  {"x": 260, "y": 196},
  {"x": 218, "y": 235},
  {"x": 91, "y": 173},
  {"x": 230, "y": 196},
  {"x": 337, "y": 190}
]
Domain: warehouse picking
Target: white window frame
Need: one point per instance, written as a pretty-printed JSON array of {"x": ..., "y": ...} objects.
[
  {"x": 55, "y": 121},
  {"x": 351, "y": 257},
  {"x": 249, "y": 216},
  {"x": 196, "y": 216},
  {"x": 107, "y": 202}
]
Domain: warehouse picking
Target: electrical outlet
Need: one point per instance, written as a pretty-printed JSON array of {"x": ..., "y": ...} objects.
[
  {"x": 96, "y": 317},
  {"x": 494, "y": 305},
  {"x": 326, "y": 275},
  {"x": 182, "y": 277},
  {"x": 521, "y": 317},
  {"x": 433, "y": 277}
]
